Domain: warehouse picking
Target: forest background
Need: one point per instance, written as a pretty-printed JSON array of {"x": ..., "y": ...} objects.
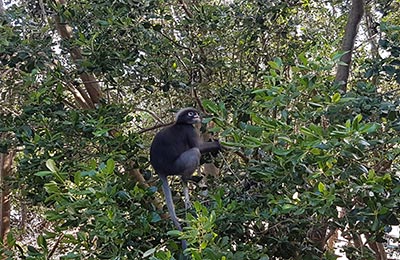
[{"x": 303, "y": 94}]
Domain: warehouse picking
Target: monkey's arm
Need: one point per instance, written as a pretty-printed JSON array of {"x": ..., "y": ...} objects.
[{"x": 210, "y": 147}]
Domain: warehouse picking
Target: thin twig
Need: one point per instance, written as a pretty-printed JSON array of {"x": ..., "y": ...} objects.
[
  {"x": 151, "y": 113},
  {"x": 176, "y": 43},
  {"x": 55, "y": 246},
  {"x": 154, "y": 127},
  {"x": 198, "y": 101},
  {"x": 187, "y": 11},
  {"x": 229, "y": 168}
]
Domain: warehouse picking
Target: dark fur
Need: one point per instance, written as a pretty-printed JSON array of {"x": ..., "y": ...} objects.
[{"x": 176, "y": 150}]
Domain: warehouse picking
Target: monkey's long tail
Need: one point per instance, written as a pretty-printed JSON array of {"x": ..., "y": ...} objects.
[{"x": 170, "y": 206}]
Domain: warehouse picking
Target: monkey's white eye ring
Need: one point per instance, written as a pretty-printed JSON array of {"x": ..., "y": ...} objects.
[{"x": 191, "y": 114}]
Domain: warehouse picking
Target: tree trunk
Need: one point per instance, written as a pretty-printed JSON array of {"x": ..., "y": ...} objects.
[
  {"x": 1, "y": 7},
  {"x": 5, "y": 206},
  {"x": 371, "y": 29},
  {"x": 88, "y": 97},
  {"x": 355, "y": 15},
  {"x": 5, "y": 171}
]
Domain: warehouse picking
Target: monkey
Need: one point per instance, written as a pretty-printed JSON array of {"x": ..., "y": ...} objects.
[{"x": 176, "y": 150}]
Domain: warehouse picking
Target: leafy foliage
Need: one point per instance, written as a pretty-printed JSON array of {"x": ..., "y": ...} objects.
[{"x": 303, "y": 158}]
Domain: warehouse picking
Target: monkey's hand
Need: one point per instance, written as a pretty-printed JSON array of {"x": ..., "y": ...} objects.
[{"x": 219, "y": 147}]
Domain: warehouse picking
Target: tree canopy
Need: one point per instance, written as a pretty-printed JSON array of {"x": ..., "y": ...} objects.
[{"x": 304, "y": 96}]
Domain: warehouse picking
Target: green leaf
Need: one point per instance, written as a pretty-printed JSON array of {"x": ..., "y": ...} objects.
[
  {"x": 369, "y": 128},
  {"x": 313, "y": 104},
  {"x": 251, "y": 129},
  {"x": 315, "y": 151},
  {"x": 307, "y": 131},
  {"x": 110, "y": 166},
  {"x": 273, "y": 65},
  {"x": 356, "y": 122},
  {"x": 71, "y": 256},
  {"x": 51, "y": 165},
  {"x": 285, "y": 138},
  {"x": 210, "y": 106},
  {"x": 375, "y": 224},
  {"x": 232, "y": 144},
  {"x": 278, "y": 61},
  {"x": 371, "y": 174},
  {"x": 101, "y": 132},
  {"x": 155, "y": 217},
  {"x": 281, "y": 152},
  {"x": 51, "y": 187},
  {"x": 52, "y": 215},
  {"x": 253, "y": 140},
  {"x": 33, "y": 250},
  {"x": 43, "y": 173},
  {"x": 303, "y": 59},
  {"x": 41, "y": 241},
  {"x": 196, "y": 255},
  {"x": 276, "y": 64},
  {"x": 338, "y": 55},
  {"x": 329, "y": 164},
  {"x": 358, "y": 118},
  {"x": 149, "y": 252},
  {"x": 77, "y": 178},
  {"x": 102, "y": 23},
  {"x": 260, "y": 91},
  {"x": 11, "y": 241},
  {"x": 336, "y": 98},
  {"x": 174, "y": 233},
  {"x": 88, "y": 173},
  {"x": 203, "y": 245},
  {"x": 321, "y": 187}
]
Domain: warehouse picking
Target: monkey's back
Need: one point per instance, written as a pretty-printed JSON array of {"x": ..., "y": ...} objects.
[{"x": 168, "y": 144}]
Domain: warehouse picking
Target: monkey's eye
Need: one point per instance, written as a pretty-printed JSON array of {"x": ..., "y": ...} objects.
[{"x": 191, "y": 113}]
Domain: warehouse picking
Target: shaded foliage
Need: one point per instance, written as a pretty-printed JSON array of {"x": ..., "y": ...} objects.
[{"x": 304, "y": 158}]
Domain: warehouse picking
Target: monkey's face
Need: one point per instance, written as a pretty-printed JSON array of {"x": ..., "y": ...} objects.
[{"x": 188, "y": 116}]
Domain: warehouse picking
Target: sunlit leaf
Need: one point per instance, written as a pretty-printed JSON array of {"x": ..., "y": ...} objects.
[
  {"x": 336, "y": 97},
  {"x": 51, "y": 165},
  {"x": 149, "y": 252},
  {"x": 43, "y": 173},
  {"x": 174, "y": 233},
  {"x": 321, "y": 187}
]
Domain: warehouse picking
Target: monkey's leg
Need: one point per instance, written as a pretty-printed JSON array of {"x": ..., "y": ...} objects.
[
  {"x": 188, "y": 205},
  {"x": 187, "y": 163}
]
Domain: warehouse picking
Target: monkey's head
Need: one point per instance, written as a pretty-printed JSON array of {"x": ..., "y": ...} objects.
[{"x": 188, "y": 116}]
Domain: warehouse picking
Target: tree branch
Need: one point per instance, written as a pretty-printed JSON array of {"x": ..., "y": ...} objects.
[{"x": 154, "y": 127}]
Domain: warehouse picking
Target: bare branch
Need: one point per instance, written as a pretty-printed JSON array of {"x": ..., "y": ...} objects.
[
  {"x": 154, "y": 127},
  {"x": 186, "y": 9},
  {"x": 151, "y": 113}
]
